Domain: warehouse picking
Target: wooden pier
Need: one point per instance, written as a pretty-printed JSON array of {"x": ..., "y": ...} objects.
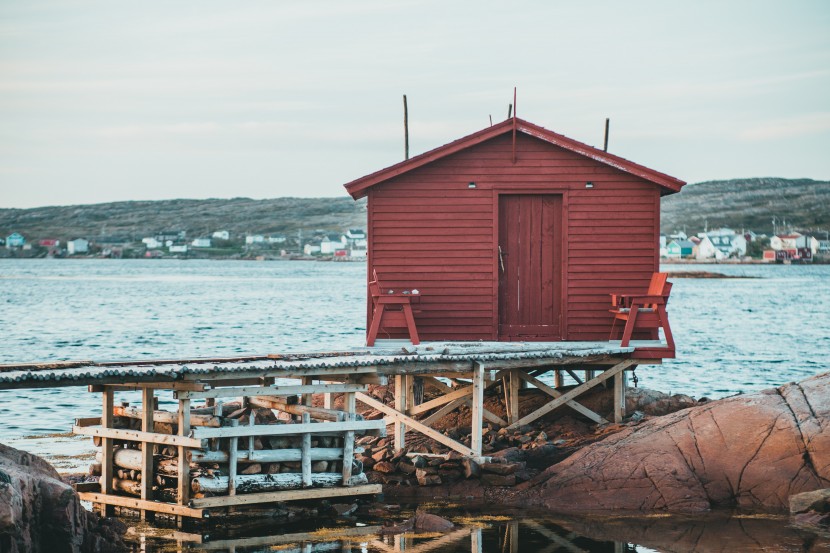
[{"x": 208, "y": 452}]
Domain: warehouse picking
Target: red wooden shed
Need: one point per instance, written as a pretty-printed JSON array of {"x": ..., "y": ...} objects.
[{"x": 513, "y": 233}]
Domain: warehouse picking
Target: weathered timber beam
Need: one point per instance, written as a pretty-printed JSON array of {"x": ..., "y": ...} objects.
[
  {"x": 446, "y": 398},
  {"x": 281, "y": 404},
  {"x": 250, "y": 391},
  {"x": 284, "y": 429},
  {"x": 268, "y": 455},
  {"x": 139, "y": 504},
  {"x": 167, "y": 417},
  {"x": 567, "y": 396},
  {"x": 137, "y": 436},
  {"x": 556, "y": 393},
  {"x": 395, "y": 416},
  {"x": 253, "y": 483},
  {"x": 287, "y": 495}
]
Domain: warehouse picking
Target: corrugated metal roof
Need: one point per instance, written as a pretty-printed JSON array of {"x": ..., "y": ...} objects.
[{"x": 376, "y": 357}]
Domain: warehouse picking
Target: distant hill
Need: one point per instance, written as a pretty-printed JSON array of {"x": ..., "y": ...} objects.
[
  {"x": 749, "y": 203},
  {"x": 198, "y": 217},
  {"x": 737, "y": 203}
]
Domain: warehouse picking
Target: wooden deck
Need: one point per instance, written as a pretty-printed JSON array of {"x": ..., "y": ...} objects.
[{"x": 460, "y": 373}]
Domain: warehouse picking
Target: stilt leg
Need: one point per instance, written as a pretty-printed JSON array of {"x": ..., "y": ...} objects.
[{"x": 478, "y": 406}]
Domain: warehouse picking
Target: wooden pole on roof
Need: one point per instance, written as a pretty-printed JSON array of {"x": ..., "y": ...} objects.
[
  {"x": 514, "y": 124},
  {"x": 405, "y": 128},
  {"x": 607, "y": 123}
]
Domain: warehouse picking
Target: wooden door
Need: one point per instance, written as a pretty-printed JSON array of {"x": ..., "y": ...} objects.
[{"x": 530, "y": 267}]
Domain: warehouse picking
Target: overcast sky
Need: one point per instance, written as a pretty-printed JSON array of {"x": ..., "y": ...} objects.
[{"x": 106, "y": 100}]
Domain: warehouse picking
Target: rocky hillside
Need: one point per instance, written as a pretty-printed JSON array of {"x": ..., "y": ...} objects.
[
  {"x": 198, "y": 217},
  {"x": 749, "y": 203},
  {"x": 738, "y": 203}
]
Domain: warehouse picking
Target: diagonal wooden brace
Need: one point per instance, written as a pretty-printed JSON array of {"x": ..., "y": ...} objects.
[
  {"x": 556, "y": 393},
  {"x": 568, "y": 396},
  {"x": 489, "y": 415},
  {"x": 397, "y": 417}
]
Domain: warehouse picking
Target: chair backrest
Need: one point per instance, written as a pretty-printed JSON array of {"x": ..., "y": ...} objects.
[
  {"x": 657, "y": 284},
  {"x": 374, "y": 285}
]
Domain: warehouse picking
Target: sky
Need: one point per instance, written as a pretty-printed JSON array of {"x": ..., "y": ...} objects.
[{"x": 111, "y": 100}]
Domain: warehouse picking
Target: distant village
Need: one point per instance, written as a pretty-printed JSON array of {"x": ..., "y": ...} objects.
[
  {"x": 728, "y": 244},
  {"x": 319, "y": 244},
  {"x": 723, "y": 244}
]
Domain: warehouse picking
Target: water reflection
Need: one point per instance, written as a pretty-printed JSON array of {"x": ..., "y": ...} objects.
[{"x": 478, "y": 533}]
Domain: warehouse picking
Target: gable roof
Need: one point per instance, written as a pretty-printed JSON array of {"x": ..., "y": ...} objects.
[{"x": 358, "y": 188}]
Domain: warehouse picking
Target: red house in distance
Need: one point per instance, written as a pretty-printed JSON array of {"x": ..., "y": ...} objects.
[{"x": 514, "y": 233}]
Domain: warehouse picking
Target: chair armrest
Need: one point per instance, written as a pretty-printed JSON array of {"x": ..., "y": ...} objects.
[{"x": 644, "y": 300}]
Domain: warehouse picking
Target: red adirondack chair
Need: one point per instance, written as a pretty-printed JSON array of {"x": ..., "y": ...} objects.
[
  {"x": 643, "y": 311},
  {"x": 391, "y": 310}
]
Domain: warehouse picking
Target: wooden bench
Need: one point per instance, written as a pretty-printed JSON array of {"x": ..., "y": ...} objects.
[
  {"x": 391, "y": 310},
  {"x": 643, "y": 311}
]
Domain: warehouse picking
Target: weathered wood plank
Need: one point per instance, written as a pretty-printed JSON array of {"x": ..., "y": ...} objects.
[
  {"x": 139, "y": 504},
  {"x": 286, "y": 495},
  {"x": 284, "y": 429},
  {"x": 137, "y": 436}
]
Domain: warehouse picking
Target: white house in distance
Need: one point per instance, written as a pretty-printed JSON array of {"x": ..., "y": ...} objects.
[
  {"x": 707, "y": 250},
  {"x": 201, "y": 242},
  {"x": 727, "y": 241},
  {"x": 276, "y": 239},
  {"x": 221, "y": 235},
  {"x": 784, "y": 241},
  {"x": 151, "y": 243},
  {"x": 332, "y": 243},
  {"x": 254, "y": 239},
  {"x": 76, "y": 246},
  {"x": 177, "y": 248},
  {"x": 308, "y": 249}
]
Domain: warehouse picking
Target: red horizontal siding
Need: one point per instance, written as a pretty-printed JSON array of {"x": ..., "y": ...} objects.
[{"x": 430, "y": 231}]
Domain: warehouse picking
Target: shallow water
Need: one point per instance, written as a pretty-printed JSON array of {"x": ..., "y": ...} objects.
[{"x": 485, "y": 530}]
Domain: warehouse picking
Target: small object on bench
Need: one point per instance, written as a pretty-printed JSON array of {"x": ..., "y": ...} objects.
[
  {"x": 643, "y": 311},
  {"x": 391, "y": 310}
]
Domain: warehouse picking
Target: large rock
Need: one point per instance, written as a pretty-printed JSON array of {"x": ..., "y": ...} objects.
[
  {"x": 39, "y": 512},
  {"x": 751, "y": 451}
]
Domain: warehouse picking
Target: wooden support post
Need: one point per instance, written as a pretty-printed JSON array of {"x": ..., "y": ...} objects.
[
  {"x": 349, "y": 405},
  {"x": 106, "y": 449},
  {"x": 620, "y": 381},
  {"x": 233, "y": 460},
  {"x": 557, "y": 378},
  {"x": 514, "y": 396},
  {"x": 251, "y": 422},
  {"x": 348, "y": 451},
  {"x": 305, "y": 462},
  {"x": 306, "y": 398},
  {"x": 327, "y": 400},
  {"x": 147, "y": 469},
  {"x": 478, "y": 407},
  {"x": 400, "y": 406},
  {"x": 184, "y": 464}
]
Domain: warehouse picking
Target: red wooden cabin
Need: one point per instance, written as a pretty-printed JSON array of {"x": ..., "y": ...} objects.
[{"x": 514, "y": 233}]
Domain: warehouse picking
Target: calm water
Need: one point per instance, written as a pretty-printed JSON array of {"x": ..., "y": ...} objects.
[{"x": 733, "y": 335}]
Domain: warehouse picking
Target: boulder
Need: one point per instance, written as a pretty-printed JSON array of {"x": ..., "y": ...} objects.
[
  {"x": 818, "y": 501},
  {"x": 751, "y": 451},
  {"x": 41, "y": 513}
]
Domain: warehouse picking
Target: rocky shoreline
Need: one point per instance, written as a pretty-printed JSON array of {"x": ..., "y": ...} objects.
[{"x": 754, "y": 452}]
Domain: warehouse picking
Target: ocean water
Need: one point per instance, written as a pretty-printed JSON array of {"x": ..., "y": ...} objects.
[{"x": 733, "y": 335}]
